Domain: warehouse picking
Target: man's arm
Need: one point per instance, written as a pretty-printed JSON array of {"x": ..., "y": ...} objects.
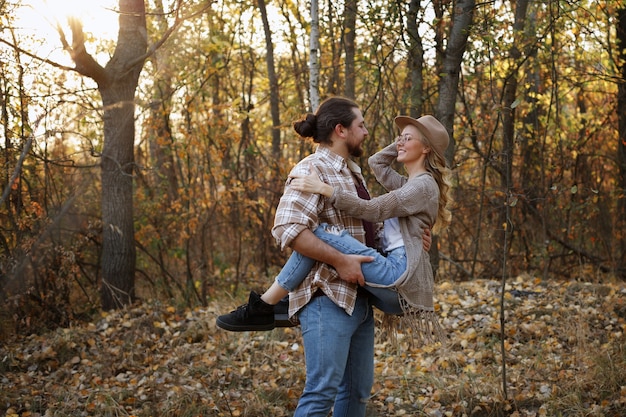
[{"x": 347, "y": 266}]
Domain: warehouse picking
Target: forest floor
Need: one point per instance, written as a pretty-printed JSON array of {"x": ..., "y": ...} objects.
[{"x": 564, "y": 344}]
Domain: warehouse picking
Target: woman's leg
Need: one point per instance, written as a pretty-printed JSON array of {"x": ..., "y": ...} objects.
[
  {"x": 381, "y": 271},
  {"x": 293, "y": 272},
  {"x": 258, "y": 313},
  {"x": 385, "y": 299},
  {"x": 289, "y": 278}
]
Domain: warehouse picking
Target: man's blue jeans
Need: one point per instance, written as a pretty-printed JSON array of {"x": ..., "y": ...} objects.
[
  {"x": 339, "y": 354},
  {"x": 382, "y": 271}
]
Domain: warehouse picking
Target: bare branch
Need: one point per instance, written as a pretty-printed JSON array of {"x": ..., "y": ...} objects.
[
  {"x": 38, "y": 58},
  {"x": 85, "y": 63},
  {"x": 177, "y": 22}
]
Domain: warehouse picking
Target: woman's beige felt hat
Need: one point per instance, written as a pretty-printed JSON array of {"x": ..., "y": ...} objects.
[{"x": 435, "y": 132}]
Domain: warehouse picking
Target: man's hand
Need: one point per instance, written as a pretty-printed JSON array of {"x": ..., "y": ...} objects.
[
  {"x": 427, "y": 239},
  {"x": 349, "y": 268}
]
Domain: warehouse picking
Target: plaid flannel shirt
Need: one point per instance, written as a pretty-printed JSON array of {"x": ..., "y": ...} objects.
[{"x": 297, "y": 211}]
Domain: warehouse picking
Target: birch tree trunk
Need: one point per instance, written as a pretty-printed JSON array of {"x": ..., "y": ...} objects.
[{"x": 314, "y": 65}]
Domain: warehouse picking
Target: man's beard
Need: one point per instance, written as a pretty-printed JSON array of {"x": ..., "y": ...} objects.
[{"x": 356, "y": 151}]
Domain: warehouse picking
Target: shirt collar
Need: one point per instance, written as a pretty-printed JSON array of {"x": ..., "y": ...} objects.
[{"x": 336, "y": 161}]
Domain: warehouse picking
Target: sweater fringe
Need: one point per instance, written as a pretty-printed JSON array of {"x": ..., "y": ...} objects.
[{"x": 422, "y": 326}]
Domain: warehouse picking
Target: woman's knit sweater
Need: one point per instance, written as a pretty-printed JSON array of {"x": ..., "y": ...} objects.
[{"x": 415, "y": 202}]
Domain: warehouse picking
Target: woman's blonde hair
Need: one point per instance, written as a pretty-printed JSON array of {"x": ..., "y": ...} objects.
[{"x": 435, "y": 164}]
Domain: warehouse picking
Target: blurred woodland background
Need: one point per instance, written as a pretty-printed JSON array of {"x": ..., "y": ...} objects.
[{"x": 149, "y": 165}]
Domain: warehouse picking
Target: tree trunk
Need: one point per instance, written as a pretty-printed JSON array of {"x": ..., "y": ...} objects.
[
  {"x": 276, "y": 180},
  {"x": 159, "y": 126},
  {"x": 118, "y": 248},
  {"x": 273, "y": 79},
  {"x": 531, "y": 170},
  {"x": 349, "y": 34},
  {"x": 416, "y": 62},
  {"x": 501, "y": 243},
  {"x": 621, "y": 145},
  {"x": 314, "y": 65},
  {"x": 118, "y": 237},
  {"x": 117, "y": 83},
  {"x": 451, "y": 59}
]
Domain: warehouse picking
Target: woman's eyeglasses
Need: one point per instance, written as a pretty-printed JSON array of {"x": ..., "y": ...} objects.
[{"x": 402, "y": 139}]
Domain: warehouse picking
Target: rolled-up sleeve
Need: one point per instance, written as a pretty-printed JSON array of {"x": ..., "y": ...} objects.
[{"x": 296, "y": 211}]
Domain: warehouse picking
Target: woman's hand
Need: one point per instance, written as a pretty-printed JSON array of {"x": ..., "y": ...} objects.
[{"x": 310, "y": 184}]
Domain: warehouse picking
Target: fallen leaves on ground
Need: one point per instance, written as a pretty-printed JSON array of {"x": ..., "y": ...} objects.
[{"x": 564, "y": 345}]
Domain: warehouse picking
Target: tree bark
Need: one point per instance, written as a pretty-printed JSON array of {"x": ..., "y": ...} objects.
[
  {"x": 451, "y": 58},
  {"x": 621, "y": 145},
  {"x": 349, "y": 35},
  {"x": 273, "y": 79},
  {"x": 314, "y": 65},
  {"x": 159, "y": 125},
  {"x": 501, "y": 243},
  {"x": 118, "y": 238},
  {"x": 416, "y": 62},
  {"x": 117, "y": 83}
]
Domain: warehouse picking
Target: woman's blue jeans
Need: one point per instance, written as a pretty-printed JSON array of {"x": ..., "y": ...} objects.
[{"x": 382, "y": 271}]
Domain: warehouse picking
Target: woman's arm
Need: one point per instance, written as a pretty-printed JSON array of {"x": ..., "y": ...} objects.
[
  {"x": 310, "y": 184},
  {"x": 414, "y": 197},
  {"x": 381, "y": 164},
  {"x": 395, "y": 204}
]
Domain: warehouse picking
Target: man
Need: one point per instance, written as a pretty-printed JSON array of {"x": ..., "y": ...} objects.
[{"x": 335, "y": 317}]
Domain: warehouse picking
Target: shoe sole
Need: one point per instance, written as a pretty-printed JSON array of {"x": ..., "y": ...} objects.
[
  {"x": 282, "y": 320},
  {"x": 248, "y": 328}
]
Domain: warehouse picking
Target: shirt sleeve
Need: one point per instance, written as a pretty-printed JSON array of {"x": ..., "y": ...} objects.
[{"x": 296, "y": 211}]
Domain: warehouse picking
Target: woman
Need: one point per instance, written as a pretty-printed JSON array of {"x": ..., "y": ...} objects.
[{"x": 401, "y": 281}]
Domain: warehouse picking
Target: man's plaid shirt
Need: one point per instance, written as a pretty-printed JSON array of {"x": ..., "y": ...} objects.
[{"x": 297, "y": 211}]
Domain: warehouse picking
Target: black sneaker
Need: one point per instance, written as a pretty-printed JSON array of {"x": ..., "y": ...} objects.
[{"x": 256, "y": 315}]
